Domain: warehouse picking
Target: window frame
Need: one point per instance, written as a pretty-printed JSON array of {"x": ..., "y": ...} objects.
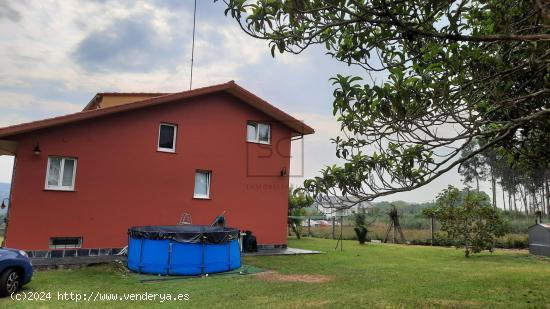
[
  {"x": 257, "y": 137},
  {"x": 60, "y": 186},
  {"x": 208, "y": 183},
  {"x": 174, "y": 138},
  {"x": 77, "y": 246}
]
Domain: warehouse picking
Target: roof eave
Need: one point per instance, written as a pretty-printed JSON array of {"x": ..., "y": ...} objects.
[{"x": 298, "y": 127}]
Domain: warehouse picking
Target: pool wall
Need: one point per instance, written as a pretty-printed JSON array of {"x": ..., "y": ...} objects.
[{"x": 170, "y": 257}]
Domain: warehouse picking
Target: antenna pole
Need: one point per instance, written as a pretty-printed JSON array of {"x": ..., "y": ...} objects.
[{"x": 193, "y": 45}]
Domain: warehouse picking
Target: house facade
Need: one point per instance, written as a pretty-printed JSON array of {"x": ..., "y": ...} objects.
[{"x": 81, "y": 180}]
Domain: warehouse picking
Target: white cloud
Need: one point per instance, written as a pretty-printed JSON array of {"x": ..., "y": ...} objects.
[
  {"x": 22, "y": 107},
  {"x": 22, "y": 102},
  {"x": 325, "y": 126},
  {"x": 39, "y": 47}
]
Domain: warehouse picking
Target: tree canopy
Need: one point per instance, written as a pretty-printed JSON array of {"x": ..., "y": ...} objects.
[
  {"x": 468, "y": 219},
  {"x": 457, "y": 71}
]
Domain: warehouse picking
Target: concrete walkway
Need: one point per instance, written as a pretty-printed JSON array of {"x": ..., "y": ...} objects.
[
  {"x": 39, "y": 263},
  {"x": 45, "y": 263},
  {"x": 287, "y": 251}
]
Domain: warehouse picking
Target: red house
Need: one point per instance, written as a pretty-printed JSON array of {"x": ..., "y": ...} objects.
[{"x": 129, "y": 159}]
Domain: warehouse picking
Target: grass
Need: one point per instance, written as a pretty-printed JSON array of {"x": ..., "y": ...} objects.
[{"x": 373, "y": 275}]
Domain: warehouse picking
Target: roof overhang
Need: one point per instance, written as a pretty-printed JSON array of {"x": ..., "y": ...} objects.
[
  {"x": 7, "y": 148},
  {"x": 298, "y": 127}
]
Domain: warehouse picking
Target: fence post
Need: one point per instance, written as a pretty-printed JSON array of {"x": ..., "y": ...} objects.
[
  {"x": 341, "y": 233},
  {"x": 334, "y": 227},
  {"x": 309, "y": 227}
]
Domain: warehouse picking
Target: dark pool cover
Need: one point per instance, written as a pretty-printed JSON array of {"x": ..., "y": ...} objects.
[{"x": 185, "y": 233}]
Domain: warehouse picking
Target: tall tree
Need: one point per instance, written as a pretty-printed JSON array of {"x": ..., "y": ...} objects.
[
  {"x": 457, "y": 70},
  {"x": 475, "y": 168}
]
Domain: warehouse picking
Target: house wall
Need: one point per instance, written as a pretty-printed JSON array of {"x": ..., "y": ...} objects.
[{"x": 123, "y": 181}]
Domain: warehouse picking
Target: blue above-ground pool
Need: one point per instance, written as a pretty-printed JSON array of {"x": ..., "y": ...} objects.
[{"x": 183, "y": 249}]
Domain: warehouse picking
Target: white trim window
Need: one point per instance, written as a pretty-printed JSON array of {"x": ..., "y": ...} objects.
[
  {"x": 61, "y": 173},
  {"x": 258, "y": 132},
  {"x": 202, "y": 184},
  {"x": 167, "y": 137}
]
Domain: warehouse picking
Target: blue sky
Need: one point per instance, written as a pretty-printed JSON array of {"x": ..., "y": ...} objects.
[{"x": 55, "y": 55}]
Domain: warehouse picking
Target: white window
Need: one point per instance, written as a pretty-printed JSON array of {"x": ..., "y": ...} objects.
[
  {"x": 60, "y": 174},
  {"x": 202, "y": 184},
  {"x": 167, "y": 137},
  {"x": 258, "y": 132}
]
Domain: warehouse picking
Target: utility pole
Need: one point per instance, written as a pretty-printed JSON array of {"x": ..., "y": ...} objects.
[{"x": 193, "y": 45}]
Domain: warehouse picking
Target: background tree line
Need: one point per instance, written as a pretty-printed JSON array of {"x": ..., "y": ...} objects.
[{"x": 524, "y": 181}]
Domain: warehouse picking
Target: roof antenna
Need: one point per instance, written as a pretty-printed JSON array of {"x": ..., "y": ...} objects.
[{"x": 193, "y": 44}]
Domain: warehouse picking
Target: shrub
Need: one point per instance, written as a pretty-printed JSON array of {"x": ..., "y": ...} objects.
[
  {"x": 468, "y": 219},
  {"x": 513, "y": 241},
  {"x": 360, "y": 228}
]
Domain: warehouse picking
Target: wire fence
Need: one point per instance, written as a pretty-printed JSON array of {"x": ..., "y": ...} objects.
[{"x": 417, "y": 230}]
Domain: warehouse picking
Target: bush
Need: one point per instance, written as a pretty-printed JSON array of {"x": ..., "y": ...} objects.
[
  {"x": 468, "y": 219},
  {"x": 360, "y": 228},
  {"x": 513, "y": 241}
]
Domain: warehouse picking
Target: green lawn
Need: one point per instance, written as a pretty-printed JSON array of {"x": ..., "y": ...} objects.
[{"x": 373, "y": 275}]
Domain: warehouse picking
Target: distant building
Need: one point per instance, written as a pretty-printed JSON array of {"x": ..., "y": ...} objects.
[
  {"x": 335, "y": 206},
  {"x": 316, "y": 223},
  {"x": 539, "y": 239}
]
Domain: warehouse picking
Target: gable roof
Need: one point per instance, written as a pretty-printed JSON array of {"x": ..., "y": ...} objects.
[
  {"x": 546, "y": 226},
  {"x": 297, "y": 126},
  {"x": 95, "y": 102}
]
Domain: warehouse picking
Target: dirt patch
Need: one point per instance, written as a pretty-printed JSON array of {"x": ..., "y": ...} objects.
[
  {"x": 275, "y": 276},
  {"x": 449, "y": 303}
]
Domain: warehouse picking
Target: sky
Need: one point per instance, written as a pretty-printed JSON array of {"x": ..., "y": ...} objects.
[{"x": 55, "y": 55}]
